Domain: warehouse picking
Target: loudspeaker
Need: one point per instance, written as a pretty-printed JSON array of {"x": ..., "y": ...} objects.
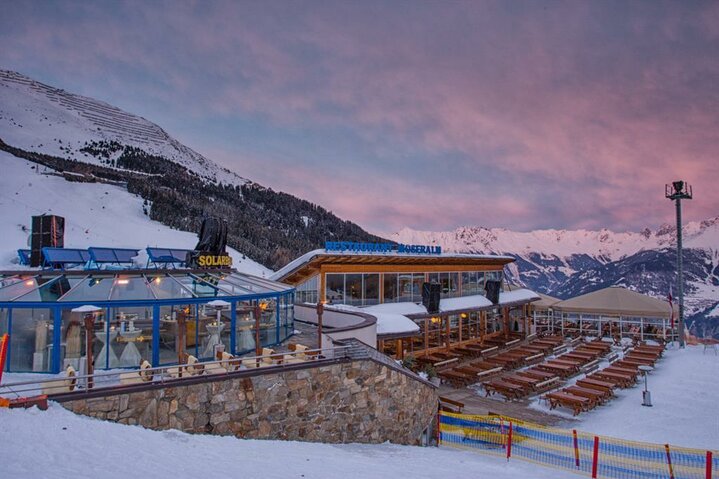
[
  {"x": 492, "y": 288},
  {"x": 431, "y": 296},
  {"x": 47, "y": 230}
]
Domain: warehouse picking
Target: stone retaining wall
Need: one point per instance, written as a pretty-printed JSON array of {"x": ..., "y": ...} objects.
[{"x": 351, "y": 401}]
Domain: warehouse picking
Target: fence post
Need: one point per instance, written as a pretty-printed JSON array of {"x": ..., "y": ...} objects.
[
  {"x": 709, "y": 465},
  {"x": 509, "y": 441},
  {"x": 439, "y": 432},
  {"x": 3, "y": 352},
  {"x": 669, "y": 461},
  {"x": 576, "y": 448},
  {"x": 595, "y": 459}
]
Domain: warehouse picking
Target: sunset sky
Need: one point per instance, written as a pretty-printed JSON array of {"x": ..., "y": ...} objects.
[{"x": 425, "y": 114}]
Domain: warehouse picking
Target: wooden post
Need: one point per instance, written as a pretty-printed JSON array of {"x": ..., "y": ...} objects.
[
  {"x": 426, "y": 334},
  {"x": 447, "y": 330},
  {"x": 89, "y": 332},
  {"x": 505, "y": 317},
  {"x": 400, "y": 349},
  {"x": 576, "y": 447},
  {"x": 258, "y": 313},
  {"x": 460, "y": 328},
  {"x": 669, "y": 461}
]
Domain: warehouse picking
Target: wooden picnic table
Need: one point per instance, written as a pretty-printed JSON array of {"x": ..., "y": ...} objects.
[
  {"x": 521, "y": 380},
  {"x": 457, "y": 379},
  {"x": 590, "y": 383},
  {"x": 593, "y": 394},
  {"x": 561, "y": 370},
  {"x": 576, "y": 403},
  {"x": 508, "y": 390},
  {"x": 534, "y": 373},
  {"x": 619, "y": 370},
  {"x": 622, "y": 380}
]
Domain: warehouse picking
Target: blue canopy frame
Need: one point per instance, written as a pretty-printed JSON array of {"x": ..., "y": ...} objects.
[
  {"x": 24, "y": 256},
  {"x": 61, "y": 258},
  {"x": 109, "y": 256},
  {"x": 167, "y": 256}
]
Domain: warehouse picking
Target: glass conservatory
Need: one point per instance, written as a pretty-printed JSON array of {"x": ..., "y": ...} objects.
[{"x": 151, "y": 314}]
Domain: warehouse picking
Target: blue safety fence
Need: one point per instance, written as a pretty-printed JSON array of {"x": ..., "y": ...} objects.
[{"x": 577, "y": 451}]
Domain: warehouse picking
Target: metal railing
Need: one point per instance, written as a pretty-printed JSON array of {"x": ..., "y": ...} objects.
[{"x": 175, "y": 372}]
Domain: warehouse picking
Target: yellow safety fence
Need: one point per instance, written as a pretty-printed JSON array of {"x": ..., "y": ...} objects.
[{"x": 572, "y": 450}]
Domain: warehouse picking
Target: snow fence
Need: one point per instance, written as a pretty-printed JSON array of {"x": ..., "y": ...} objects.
[{"x": 572, "y": 450}]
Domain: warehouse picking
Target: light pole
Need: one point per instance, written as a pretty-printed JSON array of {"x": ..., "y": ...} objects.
[{"x": 677, "y": 192}]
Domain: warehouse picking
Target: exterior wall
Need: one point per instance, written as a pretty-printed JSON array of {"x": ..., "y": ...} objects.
[{"x": 352, "y": 401}]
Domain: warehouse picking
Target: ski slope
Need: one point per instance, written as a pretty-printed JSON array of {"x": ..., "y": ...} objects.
[{"x": 95, "y": 214}]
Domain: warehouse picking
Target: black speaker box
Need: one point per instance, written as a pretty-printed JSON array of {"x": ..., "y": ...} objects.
[
  {"x": 47, "y": 230},
  {"x": 431, "y": 296},
  {"x": 492, "y": 288}
]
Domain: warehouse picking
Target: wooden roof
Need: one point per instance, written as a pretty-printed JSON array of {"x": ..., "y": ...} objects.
[{"x": 310, "y": 264}]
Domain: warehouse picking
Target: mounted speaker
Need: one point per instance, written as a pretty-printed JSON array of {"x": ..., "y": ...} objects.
[
  {"x": 492, "y": 288},
  {"x": 431, "y": 296}
]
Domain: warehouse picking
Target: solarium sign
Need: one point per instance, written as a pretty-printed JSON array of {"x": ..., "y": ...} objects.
[{"x": 349, "y": 246}]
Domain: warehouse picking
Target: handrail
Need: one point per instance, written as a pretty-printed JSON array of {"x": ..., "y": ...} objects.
[{"x": 160, "y": 374}]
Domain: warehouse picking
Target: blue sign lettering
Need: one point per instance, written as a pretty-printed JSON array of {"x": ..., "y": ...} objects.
[{"x": 382, "y": 248}]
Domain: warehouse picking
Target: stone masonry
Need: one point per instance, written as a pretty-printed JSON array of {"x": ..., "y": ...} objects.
[{"x": 353, "y": 401}]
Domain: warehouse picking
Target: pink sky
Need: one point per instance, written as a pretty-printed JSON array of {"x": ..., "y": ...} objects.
[{"x": 429, "y": 115}]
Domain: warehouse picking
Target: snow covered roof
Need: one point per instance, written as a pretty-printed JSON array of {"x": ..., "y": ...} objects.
[
  {"x": 308, "y": 264},
  {"x": 618, "y": 301},
  {"x": 395, "y": 324}
]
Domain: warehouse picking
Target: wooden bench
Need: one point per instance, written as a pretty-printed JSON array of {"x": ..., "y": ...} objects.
[
  {"x": 450, "y": 405},
  {"x": 576, "y": 403},
  {"x": 509, "y": 390},
  {"x": 593, "y": 394}
]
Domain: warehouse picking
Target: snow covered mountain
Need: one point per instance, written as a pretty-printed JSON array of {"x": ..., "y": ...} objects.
[
  {"x": 90, "y": 141},
  {"x": 567, "y": 263},
  {"x": 37, "y": 117},
  {"x": 96, "y": 214}
]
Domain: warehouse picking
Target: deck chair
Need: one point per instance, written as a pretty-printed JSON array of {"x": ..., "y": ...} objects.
[
  {"x": 194, "y": 366},
  {"x": 266, "y": 359}
]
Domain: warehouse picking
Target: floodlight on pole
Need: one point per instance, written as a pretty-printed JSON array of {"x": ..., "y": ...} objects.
[{"x": 678, "y": 191}]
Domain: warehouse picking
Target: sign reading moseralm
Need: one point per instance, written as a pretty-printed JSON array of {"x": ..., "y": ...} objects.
[{"x": 381, "y": 247}]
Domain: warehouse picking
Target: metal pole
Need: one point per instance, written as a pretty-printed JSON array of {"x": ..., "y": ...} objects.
[
  {"x": 320, "y": 310},
  {"x": 680, "y": 273}
]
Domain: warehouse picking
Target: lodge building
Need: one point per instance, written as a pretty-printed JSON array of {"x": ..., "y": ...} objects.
[{"x": 377, "y": 294}]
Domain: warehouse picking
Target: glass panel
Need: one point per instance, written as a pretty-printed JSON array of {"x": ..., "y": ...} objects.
[
  {"x": 51, "y": 290},
  {"x": 31, "y": 340},
  {"x": 287, "y": 317},
  {"x": 91, "y": 289},
  {"x": 130, "y": 288},
  {"x": 20, "y": 288},
  {"x": 178, "y": 332},
  {"x": 245, "y": 332},
  {"x": 165, "y": 287},
  {"x": 417, "y": 281},
  {"x": 370, "y": 289},
  {"x": 481, "y": 283},
  {"x": 390, "y": 287},
  {"x": 353, "y": 289},
  {"x": 445, "y": 285},
  {"x": 434, "y": 277},
  {"x": 213, "y": 329},
  {"x": 199, "y": 286},
  {"x": 405, "y": 288},
  {"x": 335, "y": 288},
  {"x": 268, "y": 322},
  {"x": 73, "y": 339},
  {"x": 129, "y": 335},
  {"x": 239, "y": 285}
]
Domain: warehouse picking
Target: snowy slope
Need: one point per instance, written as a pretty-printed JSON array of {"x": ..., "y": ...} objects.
[
  {"x": 37, "y": 117},
  {"x": 95, "y": 215}
]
